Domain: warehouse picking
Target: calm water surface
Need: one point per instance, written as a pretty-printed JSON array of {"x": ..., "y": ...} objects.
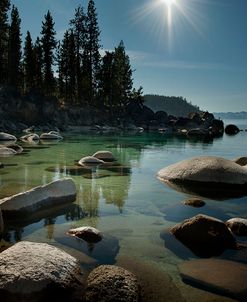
[{"x": 126, "y": 202}]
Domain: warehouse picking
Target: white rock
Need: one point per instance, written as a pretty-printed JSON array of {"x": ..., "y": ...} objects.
[
  {"x": 86, "y": 233},
  {"x": 39, "y": 198},
  {"x": 90, "y": 160}
]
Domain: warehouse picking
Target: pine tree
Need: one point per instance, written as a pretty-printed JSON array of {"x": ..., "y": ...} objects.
[
  {"x": 122, "y": 82},
  {"x": 48, "y": 45},
  {"x": 91, "y": 58},
  {"x": 38, "y": 65},
  {"x": 28, "y": 64},
  {"x": 4, "y": 7},
  {"x": 78, "y": 27},
  {"x": 67, "y": 68}
]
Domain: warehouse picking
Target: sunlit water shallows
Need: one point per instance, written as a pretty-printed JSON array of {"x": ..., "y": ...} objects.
[{"x": 125, "y": 201}]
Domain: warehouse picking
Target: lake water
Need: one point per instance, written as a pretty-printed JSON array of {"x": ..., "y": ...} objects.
[{"x": 126, "y": 202}]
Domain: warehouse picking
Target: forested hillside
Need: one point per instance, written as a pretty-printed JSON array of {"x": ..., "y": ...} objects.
[{"x": 177, "y": 106}]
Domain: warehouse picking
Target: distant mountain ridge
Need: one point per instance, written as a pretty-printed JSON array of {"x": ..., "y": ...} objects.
[
  {"x": 231, "y": 115},
  {"x": 172, "y": 105}
]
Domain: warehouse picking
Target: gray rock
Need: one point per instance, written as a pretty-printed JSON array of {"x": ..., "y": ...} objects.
[
  {"x": 238, "y": 226},
  {"x": 205, "y": 236},
  {"x": 87, "y": 233},
  {"x": 37, "y": 271},
  {"x": 7, "y": 151},
  {"x": 39, "y": 198},
  {"x": 205, "y": 169},
  {"x": 51, "y": 135},
  {"x": 104, "y": 155},
  {"x": 219, "y": 276},
  {"x": 90, "y": 160},
  {"x": 108, "y": 283},
  {"x": 7, "y": 137}
]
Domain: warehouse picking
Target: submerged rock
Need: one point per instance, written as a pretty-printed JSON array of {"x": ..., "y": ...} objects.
[
  {"x": 194, "y": 202},
  {"x": 33, "y": 272},
  {"x": 87, "y": 233},
  {"x": 108, "y": 283},
  {"x": 219, "y": 276},
  {"x": 7, "y": 137},
  {"x": 206, "y": 236},
  {"x": 39, "y": 198},
  {"x": 238, "y": 226}
]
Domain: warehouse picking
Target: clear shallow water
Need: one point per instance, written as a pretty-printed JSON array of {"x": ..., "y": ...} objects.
[{"x": 127, "y": 203}]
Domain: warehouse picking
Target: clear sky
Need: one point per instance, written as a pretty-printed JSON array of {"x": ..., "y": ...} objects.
[{"x": 191, "y": 48}]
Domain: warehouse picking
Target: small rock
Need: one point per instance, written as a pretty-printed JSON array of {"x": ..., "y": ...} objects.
[
  {"x": 87, "y": 233},
  {"x": 51, "y": 135},
  {"x": 194, "y": 202},
  {"x": 242, "y": 161},
  {"x": 231, "y": 129},
  {"x": 206, "y": 236},
  {"x": 7, "y": 137},
  {"x": 238, "y": 226},
  {"x": 109, "y": 283},
  {"x": 104, "y": 155},
  {"x": 90, "y": 160}
]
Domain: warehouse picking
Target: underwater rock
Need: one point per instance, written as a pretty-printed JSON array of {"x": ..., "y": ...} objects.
[
  {"x": 32, "y": 271},
  {"x": 216, "y": 275},
  {"x": 194, "y": 202},
  {"x": 206, "y": 236},
  {"x": 109, "y": 283},
  {"x": 87, "y": 233}
]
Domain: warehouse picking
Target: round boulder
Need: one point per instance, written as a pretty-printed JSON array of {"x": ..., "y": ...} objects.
[
  {"x": 7, "y": 151},
  {"x": 231, "y": 129},
  {"x": 109, "y": 283},
  {"x": 31, "y": 137},
  {"x": 205, "y": 169},
  {"x": 90, "y": 160},
  {"x": 7, "y": 137},
  {"x": 238, "y": 226},
  {"x": 194, "y": 202},
  {"x": 32, "y": 271},
  {"x": 87, "y": 233},
  {"x": 52, "y": 135},
  {"x": 206, "y": 236},
  {"x": 16, "y": 147},
  {"x": 104, "y": 155}
]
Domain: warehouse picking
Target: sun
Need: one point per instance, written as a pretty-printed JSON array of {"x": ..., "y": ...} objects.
[{"x": 169, "y": 3}]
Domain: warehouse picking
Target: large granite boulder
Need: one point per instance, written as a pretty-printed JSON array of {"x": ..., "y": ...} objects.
[
  {"x": 108, "y": 283},
  {"x": 87, "y": 233},
  {"x": 238, "y": 226},
  {"x": 218, "y": 276},
  {"x": 205, "y": 175},
  {"x": 39, "y": 198},
  {"x": 7, "y": 137},
  {"x": 206, "y": 236},
  {"x": 36, "y": 272}
]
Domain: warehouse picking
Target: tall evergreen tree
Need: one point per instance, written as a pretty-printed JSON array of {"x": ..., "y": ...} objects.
[
  {"x": 122, "y": 82},
  {"x": 91, "y": 58},
  {"x": 38, "y": 64},
  {"x": 67, "y": 68},
  {"x": 48, "y": 45},
  {"x": 4, "y": 7},
  {"x": 78, "y": 26},
  {"x": 14, "y": 49},
  {"x": 28, "y": 64}
]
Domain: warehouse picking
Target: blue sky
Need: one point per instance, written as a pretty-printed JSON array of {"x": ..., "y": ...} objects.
[{"x": 199, "y": 52}]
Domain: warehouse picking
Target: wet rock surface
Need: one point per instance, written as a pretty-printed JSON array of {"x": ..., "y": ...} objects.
[
  {"x": 87, "y": 233},
  {"x": 238, "y": 226}
]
